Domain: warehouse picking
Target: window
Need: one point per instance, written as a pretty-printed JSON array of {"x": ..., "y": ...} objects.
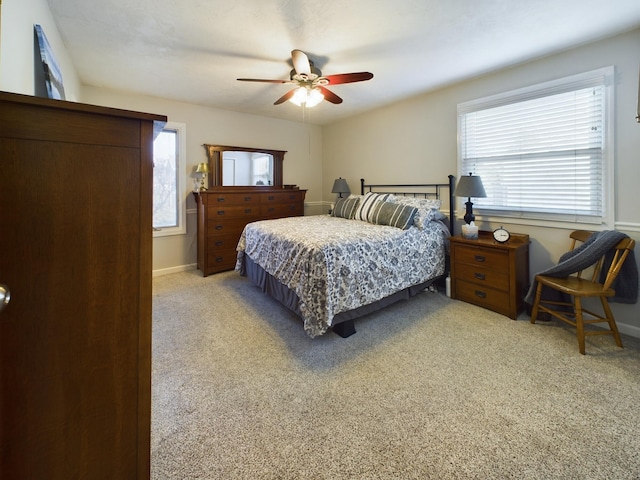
[
  {"x": 261, "y": 171},
  {"x": 169, "y": 183},
  {"x": 542, "y": 152}
]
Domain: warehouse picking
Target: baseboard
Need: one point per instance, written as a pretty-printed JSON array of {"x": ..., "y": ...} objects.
[
  {"x": 630, "y": 330},
  {"x": 180, "y": 268}
]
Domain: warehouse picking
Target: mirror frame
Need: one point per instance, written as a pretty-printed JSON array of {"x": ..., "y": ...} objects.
[{"x": 214, "y": 155}]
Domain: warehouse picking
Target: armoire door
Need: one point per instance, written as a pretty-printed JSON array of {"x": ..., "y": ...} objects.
[{"x": 75, "y": 335}]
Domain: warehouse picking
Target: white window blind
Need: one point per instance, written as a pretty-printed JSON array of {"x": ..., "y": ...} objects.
[{"x": 541, "y": 151}]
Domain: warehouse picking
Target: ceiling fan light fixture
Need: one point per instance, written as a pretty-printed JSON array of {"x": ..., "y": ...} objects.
[
  {"x": 314, "y": 97},
  {"x": 309, "y": 97},
  {"x": 299, "y": 96}
]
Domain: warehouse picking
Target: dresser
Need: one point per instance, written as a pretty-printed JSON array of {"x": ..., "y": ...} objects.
[
  {"x": 490, "y": 274},
  {"x": 223, "y": 213},
  {"x": 76, "y": 193}
]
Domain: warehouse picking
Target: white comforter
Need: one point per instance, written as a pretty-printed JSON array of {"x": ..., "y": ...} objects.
[{"x": 334, "y": 264}]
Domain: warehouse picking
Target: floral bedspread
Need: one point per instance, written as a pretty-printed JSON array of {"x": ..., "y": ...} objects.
[{"x": 335, "y": 264}]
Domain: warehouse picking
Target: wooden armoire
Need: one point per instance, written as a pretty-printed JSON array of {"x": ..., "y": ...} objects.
[{"x": 75, "y": 255}]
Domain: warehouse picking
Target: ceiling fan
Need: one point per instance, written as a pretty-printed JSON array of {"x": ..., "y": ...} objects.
[{"x": 311, "y": 85}]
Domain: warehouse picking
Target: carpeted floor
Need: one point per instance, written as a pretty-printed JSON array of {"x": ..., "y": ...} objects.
[{"x": 427, "y": 388}]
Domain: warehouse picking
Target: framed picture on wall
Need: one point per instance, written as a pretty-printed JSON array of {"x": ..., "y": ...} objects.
[{"x": 48, "y": 76}]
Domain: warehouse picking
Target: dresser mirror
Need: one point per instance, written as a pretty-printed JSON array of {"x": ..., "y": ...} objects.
[{"x": 244, "y": 166}]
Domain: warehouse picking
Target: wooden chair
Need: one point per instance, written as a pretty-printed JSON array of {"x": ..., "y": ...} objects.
[{"x": 578, "y": 288}]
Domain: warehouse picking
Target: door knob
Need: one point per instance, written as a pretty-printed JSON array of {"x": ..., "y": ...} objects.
[{"x": 5, "y": 296}]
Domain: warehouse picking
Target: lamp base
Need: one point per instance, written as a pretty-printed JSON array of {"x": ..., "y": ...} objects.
[{"x": 469, "y": 216}]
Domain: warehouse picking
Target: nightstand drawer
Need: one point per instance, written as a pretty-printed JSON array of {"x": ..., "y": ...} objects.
[
  {"x": 484, "y": 277},
  {"x": 483, "y": 296},
  {"x": 494, "y": 259}
]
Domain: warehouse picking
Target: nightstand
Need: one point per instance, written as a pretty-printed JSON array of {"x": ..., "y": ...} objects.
[{"x": 490, "y": 274}]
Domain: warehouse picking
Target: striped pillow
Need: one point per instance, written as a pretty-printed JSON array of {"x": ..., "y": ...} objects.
[
  {"x": 428, "y": 209},
  {"x": 393, "y": 214},
  {"x": 346, "y": 207},
  {"x": 367, "y": 203}
]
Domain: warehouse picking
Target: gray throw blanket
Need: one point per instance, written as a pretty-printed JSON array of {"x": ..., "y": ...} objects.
[{"x": 585, "y": 255}]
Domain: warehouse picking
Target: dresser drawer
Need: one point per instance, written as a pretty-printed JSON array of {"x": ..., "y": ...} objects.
[
  {"x": 222, "y": 259},
  {"x": 281, "y": 197},
  {"x": 225, "y": 226},
  {"x": 494, "y": 259},
  {"x": 222, "y": 243},
  {"x": 232, "y": 199},
  {"x": 487, "y": 277},
  {"x": 483, "y": 296},
  {"x": 277, "y": 210},
  {"x": 247, "y": 212}
]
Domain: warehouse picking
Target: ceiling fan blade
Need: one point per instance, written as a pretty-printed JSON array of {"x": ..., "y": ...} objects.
[
  {"x": 329, "y": 96},
  {"x": 285, "y": 97},
  {"x": 300, "y": 62},
  {"x": 262, "y": 80},
  {"x": 348, "y": 77}
]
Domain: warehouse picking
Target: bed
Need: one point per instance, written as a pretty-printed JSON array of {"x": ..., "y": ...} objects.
[{"x": 386, "y": 244}]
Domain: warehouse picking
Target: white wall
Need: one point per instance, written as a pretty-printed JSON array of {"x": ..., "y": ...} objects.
[
  {"x": 416, "y": 140},
  {"x": 17, "y": 48}
]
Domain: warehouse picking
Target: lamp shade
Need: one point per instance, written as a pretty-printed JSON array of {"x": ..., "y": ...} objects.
[
  {"x": 202, "y": 168},
  {"x": 470, "y": 186},
  {"x": 340, "y": 186}
]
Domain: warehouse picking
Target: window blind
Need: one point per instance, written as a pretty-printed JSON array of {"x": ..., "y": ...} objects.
[{"x": 539, "y": 154}]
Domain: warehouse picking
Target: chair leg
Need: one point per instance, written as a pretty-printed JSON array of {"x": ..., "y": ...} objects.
[
  {"x": 611, "y": 321},
  {"x": 536, "y": 303},
  {"x": 577, "y": 308}
]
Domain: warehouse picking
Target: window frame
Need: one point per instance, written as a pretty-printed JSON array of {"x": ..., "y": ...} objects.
[
  {"x": 181, "y": 182},
  {"x": 606, "y": 77}
]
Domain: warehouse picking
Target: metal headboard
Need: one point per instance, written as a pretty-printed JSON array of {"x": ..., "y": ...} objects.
[{"x": 419, "y": 190}]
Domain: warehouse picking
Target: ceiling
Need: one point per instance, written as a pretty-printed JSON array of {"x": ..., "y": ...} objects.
[{"x": 193, "y": 51}]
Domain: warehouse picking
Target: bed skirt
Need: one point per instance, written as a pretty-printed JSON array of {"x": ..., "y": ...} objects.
[{"x": 343, "y": 322}]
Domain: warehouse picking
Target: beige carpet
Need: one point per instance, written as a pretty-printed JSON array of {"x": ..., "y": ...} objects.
[{"x": 427, "y": 388}]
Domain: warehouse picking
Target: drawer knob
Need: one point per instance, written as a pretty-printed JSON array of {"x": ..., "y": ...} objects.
[
  {"x": 220, "y": 199},
  {"x": 271, "y": 197},
  {"x": 219, "y": 259},
  {"x": 479, "y": 258},
  {"x": 220, "y": 212},
  {"x": 479, "y": 276},
  {"x": 219, "y": 243},
  {"x": 218, "y": 227},
  {"x": 247, "y": 199},
  {"x": 247, "y": 210},
  {"x": 480, "y": 294}
]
